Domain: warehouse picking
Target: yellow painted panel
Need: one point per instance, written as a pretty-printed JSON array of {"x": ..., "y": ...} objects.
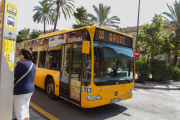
[
  {"x": 106, "y": 93},
  {"x": 85, "y": 48},
  {"x": 40, "y": 77},
  {"x": 128, "y": 96}
]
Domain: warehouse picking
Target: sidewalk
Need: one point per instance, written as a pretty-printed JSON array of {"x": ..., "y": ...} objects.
[
  {"x": 34, "y": 115},
  {"x": 170, "y": 86},
  {"x": 155, "y": 85}
]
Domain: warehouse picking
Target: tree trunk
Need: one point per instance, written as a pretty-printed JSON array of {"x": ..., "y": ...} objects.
[
  {"x": 168, "y": 58},
  {"x": 175, "y": 60},
  {"x": 56, "y": 15},
  {"x": 152, "y": 55}
]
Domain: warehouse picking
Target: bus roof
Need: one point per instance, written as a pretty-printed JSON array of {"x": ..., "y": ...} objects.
[{"x": 87, "y": 27}]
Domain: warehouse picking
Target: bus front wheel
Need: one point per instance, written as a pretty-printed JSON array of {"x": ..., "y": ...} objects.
[{"x": 50, "y": 89}]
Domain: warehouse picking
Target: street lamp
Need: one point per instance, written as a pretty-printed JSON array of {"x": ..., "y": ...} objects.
[
  {"x": 137, "y": 25},
  {"x": 137, "y": 34}
]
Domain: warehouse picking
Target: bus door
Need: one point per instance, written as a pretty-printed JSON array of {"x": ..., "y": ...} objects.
[
  {"x": 65, "y": 65},
  {"x": 70, "y": 82},
  {"x": 75, "y": 79}
]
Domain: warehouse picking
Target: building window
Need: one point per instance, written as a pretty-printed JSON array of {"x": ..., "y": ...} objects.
[
  {"x": 172, "y": 56},
  {"x": 161, "y": 57}
]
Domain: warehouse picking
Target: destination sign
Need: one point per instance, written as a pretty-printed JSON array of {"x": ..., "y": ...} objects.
[
  {"x": 113, "y": 38},
  {"x": 76, "y": 36}
]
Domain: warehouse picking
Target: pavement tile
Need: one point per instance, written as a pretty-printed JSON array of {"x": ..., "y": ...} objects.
[{"x": 34, "y": 115}]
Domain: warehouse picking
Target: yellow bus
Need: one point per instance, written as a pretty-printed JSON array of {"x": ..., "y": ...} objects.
[{"x": 89, "y": 66}]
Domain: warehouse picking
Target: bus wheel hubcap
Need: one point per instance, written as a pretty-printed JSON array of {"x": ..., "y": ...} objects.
[{"x": 50, "y": 88}]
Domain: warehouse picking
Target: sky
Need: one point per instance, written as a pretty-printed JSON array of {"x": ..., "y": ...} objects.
[{"x": 126, "y": 10}]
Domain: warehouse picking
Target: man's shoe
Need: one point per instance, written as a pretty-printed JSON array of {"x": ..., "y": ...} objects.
[{"x": 14, "y": 119}]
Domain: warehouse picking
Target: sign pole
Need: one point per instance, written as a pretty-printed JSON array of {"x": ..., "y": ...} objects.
[{"x": 8, "y": 24}]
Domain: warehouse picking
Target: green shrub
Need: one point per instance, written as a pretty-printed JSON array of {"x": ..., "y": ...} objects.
[
  {"x": 176, "y": 73},
  {"x": 143, "y": 69},
  {"x": 161, "y": 70},
  {"x": 178, "y": 65}
]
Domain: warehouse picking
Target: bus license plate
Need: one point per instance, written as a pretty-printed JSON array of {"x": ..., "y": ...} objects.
[{"x": 115, "y": 100}]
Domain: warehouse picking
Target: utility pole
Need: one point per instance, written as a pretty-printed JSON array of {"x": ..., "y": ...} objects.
[{"x": 137, "y": 36}]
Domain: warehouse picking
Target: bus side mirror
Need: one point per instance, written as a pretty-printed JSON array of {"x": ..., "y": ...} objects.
[{"x": 85, "y": 47}]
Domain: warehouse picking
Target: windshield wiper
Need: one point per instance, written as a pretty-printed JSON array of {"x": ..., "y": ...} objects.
[{"x": 127, "y": 80}]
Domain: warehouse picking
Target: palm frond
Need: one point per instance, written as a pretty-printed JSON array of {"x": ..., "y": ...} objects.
[
  {"x": 101, "y": 18},
  {"x": 170, "y": 16}
]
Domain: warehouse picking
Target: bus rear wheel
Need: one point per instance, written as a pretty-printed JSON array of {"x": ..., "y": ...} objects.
[{"x": 50, "y": 89}]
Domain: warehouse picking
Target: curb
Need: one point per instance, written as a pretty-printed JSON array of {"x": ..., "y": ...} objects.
[{"x": 155, "y": 87}]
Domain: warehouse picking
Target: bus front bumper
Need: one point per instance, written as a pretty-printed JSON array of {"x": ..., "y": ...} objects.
[{"x": 97, "y": 103}]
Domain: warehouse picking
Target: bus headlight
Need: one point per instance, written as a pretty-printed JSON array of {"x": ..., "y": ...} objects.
[
  {"x": 130, "y": 91},
  {"x": 92, "y": 97}
]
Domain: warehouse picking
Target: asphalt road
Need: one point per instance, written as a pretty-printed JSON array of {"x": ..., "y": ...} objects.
[{"x": 145, "y": 105}]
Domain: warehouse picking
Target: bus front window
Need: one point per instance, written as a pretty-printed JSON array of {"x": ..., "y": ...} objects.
[{"x": 113, "y": 64}]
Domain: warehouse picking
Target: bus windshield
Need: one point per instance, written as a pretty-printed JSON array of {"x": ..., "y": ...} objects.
[{"x": 113, "y": 64}]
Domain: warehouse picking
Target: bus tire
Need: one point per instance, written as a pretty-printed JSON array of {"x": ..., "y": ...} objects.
[{"x": 50, "y": 88}]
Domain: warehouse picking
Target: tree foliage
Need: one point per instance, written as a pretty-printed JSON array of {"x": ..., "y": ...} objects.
[
  {"x": 23, "y": 35},
  {"x": 150, "y": 36},
  {"x": 34, "y": 34},
  {"x": 173, "y": 20},
  {"x": 81, "y": 18},
  {"x": 102, "y": 19},
  {"x": 175, "y": 45},
  {"x": 167, "y": 45},
  {"x": 19, "y": 37}
]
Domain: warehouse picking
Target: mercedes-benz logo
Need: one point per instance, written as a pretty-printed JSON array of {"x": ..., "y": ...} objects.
[{"x": 116, "y": 93}]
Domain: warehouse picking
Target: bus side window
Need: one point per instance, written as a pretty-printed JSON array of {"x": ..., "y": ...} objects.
[
  {"x": 42, "y": 58},
  {"x": 48, "y": 62},
  {"x": 35, "y": 54},
  {"x": 53, "y": 60}
]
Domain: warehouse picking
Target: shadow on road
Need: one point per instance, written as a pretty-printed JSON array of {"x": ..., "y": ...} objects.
[{"x": 65, "y": 110}]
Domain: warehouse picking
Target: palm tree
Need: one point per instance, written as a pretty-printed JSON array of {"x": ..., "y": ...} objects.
[
  {"x": 174, "y": 23},
  {"x": 34, "y": 34},
  {"x": 44, "y": 14},
  {"x": 66, "y": 7},
  {"x": 25, "y": 33},
  {"x": 102, "y": 19}
]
